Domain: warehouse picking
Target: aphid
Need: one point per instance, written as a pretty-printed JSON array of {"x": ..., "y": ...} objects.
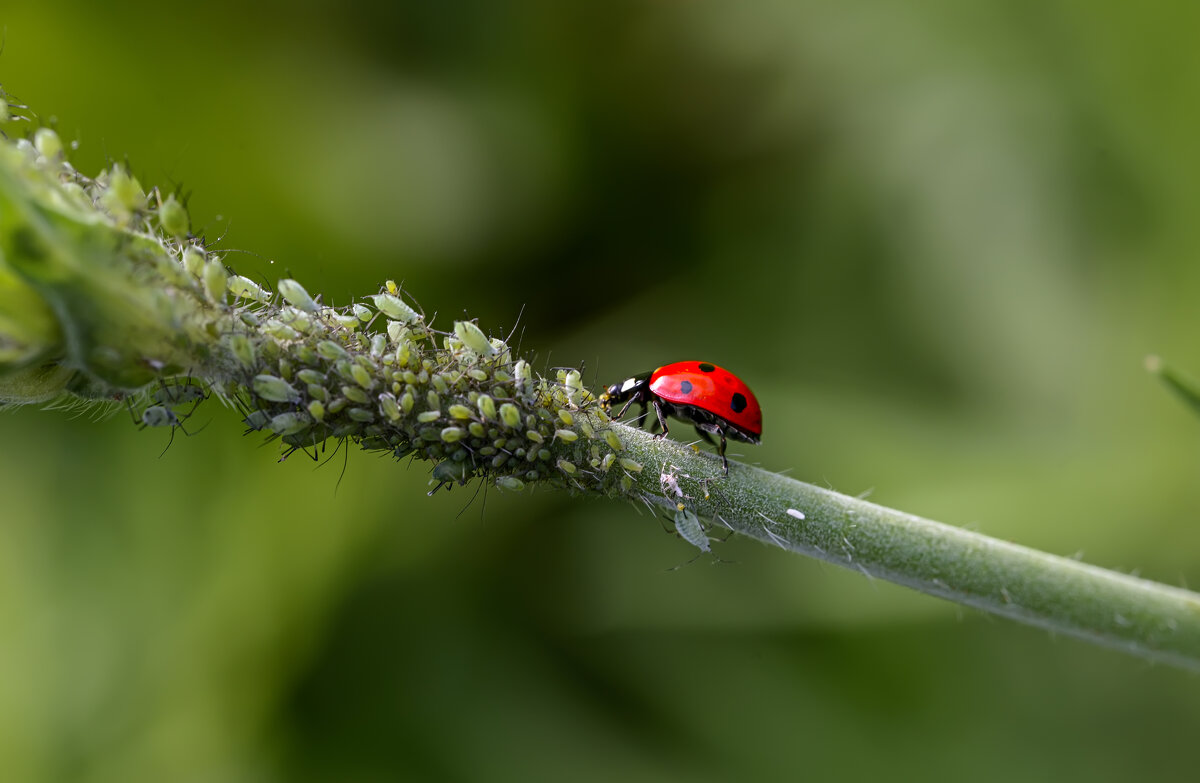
[
  {"x": 179, "y": 393},
  {"x": 161, "y": 416},
  {"x": 274, "y": 389},
  {"x": 712, "y": 399},
  {"x": 689, "y": 528},
  {"x": 394, "y": 307},
  {"x": 297, "y": 296}
]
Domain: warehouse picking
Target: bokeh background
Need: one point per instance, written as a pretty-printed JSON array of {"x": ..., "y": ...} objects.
[{"x": 936, "y": 239}]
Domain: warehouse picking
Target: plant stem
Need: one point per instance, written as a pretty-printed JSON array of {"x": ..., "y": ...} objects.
[{"x": 1144, "y": 618}]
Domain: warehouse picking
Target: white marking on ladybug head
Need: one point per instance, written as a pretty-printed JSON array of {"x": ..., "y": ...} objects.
[{"x": 629, "y": 384}]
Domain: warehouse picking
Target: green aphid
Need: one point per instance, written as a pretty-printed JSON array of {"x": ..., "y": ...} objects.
[
  {"x": 49, "y": 145},
  {"x": 257, "y": 420},
  {"x": 289, "y": 423},
  {"x": 295, "y": 318},
  {"x": 566, "y": 436},
  {"x": 215, "y": 278},
  {"x": 510, "y": 415},
  {"x": 273, "y": 389},
  {"x": 574, "y": 383},
  {"x": 510, "y": 482},
  {"x": 355, "y": 394},
  {"x": 297, "y": 296},
  {"x": 457, "y": 411},
  {"x": 452, "y": 434},
  {"x": 245, "y": 288},
  {"x": 566, "y": 466},
  {"x": 397, "y": 333},
  {"x": 331, "y": 351},
  {"x": 361, "y": 414},
  {"x": 389, "y": 407},
  {"x": 280, "y": 330},
  {"x": 173, "y": 218},
  {"x": 361, "y": 376},
  {"x": 486, "y": 406},
  {"x": 689, "y": 528},
  {"x": 427, "y": 416},
  {"x": 631, "y": 466},
  {"x": 179, "y": 394},
  {"x": 193, "y": 262},
  {"x": 394, "y": 307},
  {"x": 474, "y": 338},
  {"x": 451, "y": 470},
  {"x": 125, "y": 196}
]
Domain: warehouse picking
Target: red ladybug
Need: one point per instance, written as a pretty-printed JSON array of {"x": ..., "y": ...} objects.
[{"x": 712, "y": 399}]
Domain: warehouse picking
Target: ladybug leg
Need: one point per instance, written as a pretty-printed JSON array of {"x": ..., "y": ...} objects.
[
  {"x": 721, "y": 451},
  {"x": 631, "y": 401},
  {"x": 652, "y": 424},
  {"x": 662, "y": 417}
]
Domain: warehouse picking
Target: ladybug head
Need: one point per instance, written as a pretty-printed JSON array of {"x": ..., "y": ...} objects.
[{"x": 628, "y": 389}]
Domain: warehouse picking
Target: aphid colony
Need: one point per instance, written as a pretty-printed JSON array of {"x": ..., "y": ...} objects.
[{"x": 306, "y": 373}]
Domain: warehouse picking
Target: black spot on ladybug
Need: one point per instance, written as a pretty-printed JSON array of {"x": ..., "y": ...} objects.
[
  {"x": 685, "y": 387},
  {"x": 738, "y": 403},
  {"x": 706, "y": 367}
]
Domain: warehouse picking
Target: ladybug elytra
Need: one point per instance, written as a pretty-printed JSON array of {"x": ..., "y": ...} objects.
[{"x": 714, "y": 400}]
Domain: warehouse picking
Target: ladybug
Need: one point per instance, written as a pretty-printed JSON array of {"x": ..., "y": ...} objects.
[{"x": 714, "y": 400}]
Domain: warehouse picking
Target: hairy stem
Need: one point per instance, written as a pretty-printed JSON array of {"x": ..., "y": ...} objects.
[{"x": 1144, "y": 618}]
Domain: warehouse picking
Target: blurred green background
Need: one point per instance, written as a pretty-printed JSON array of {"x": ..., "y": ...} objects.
[{"x": 937, "y": 241}]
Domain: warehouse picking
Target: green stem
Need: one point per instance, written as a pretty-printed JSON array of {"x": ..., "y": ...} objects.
[{"x": 1144, "y": 618}]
